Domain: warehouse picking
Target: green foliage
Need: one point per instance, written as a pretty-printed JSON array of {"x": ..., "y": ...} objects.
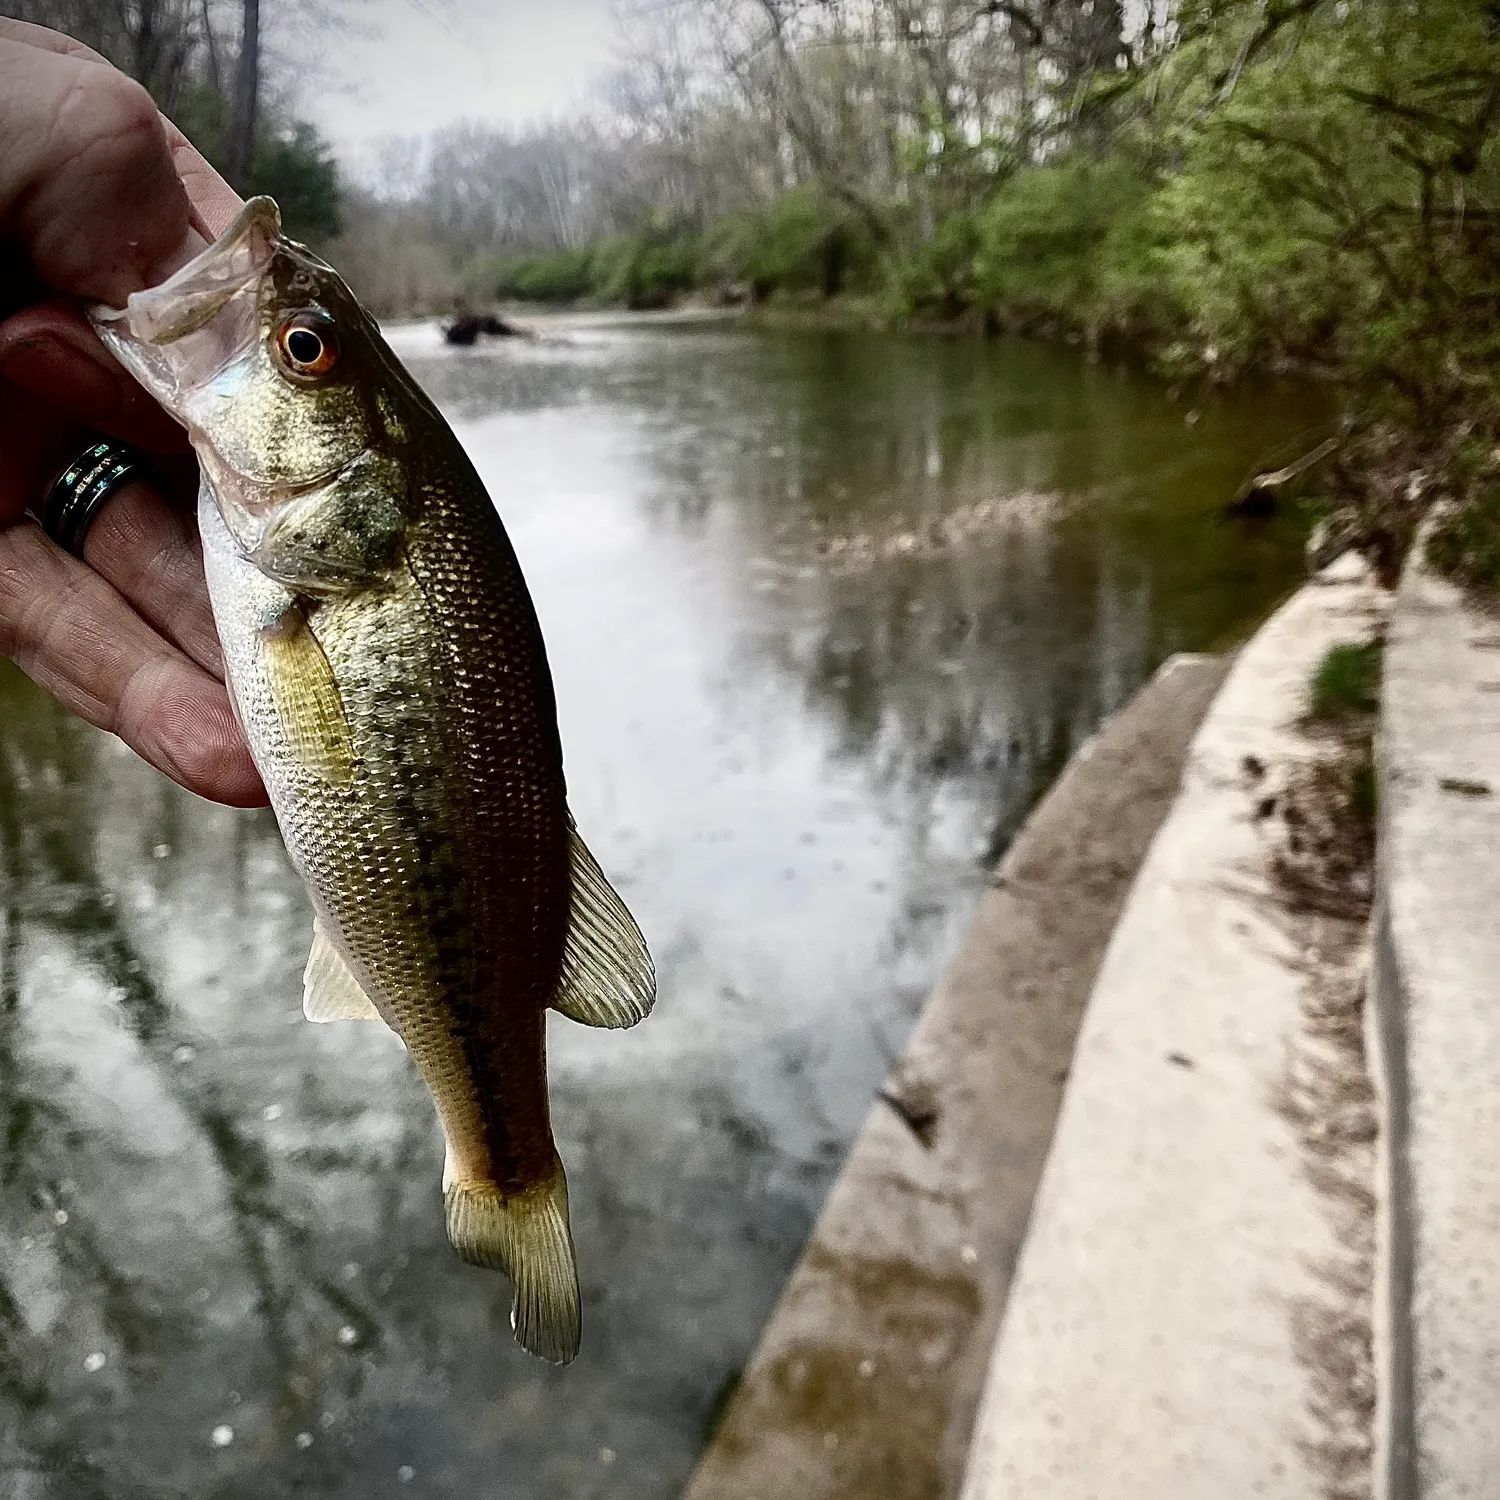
[
  {"x": 1346, "y": 683},
  {"x": 1068, "y": 243},
  {"x": 1340, "y": 202},
  {"x": 800, "y": 241},
  {"x": 938, "y": 276},
  {"x": 1336, "y": 200},
  {"x": 552, "y": 276},
  {"x": 797, "y": 243},
  {"x": 1466, "y": 542},
  {"x": 648, "y": 268}
]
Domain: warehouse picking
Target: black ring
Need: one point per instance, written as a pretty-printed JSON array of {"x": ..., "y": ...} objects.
[{"x": 78, "y": 494}]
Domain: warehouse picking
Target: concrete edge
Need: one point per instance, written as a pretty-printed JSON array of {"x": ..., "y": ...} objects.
[
  {"x": 1156, "y": 1340},
  {"x": 1385, "y": 1041},
  {"x": 1437, "y": 995}
]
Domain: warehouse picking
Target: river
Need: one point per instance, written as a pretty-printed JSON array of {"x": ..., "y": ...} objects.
[{"x": 826, "y": 613}]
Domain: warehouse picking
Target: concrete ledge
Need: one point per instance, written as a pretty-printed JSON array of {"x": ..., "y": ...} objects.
[
  {"x": 1190, "y": 1317},
  {"x": 1438, "y": 997},
  {"x": 867, "y": 1377}
]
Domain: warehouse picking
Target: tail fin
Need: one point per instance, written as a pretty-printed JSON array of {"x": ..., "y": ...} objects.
[{"x": 526, "y": 1236}]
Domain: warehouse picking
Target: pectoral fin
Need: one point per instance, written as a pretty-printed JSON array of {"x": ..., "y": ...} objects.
[
  {"x": 607, "y": 975},
  {"x": 329, "y": 991},
  {"x": 307, "y": 699}
]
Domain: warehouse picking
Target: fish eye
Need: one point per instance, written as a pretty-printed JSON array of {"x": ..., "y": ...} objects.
[{"x": 308, "y": 344}]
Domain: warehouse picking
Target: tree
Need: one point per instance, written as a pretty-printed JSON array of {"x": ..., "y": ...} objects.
[{"x": 241, "y": 152}]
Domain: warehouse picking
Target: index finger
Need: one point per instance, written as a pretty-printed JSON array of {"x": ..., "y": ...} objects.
[
  {"x": 87, "y": 179},
  {"x": 214, "y": 203}
]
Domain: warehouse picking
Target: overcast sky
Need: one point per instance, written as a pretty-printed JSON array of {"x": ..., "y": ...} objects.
[{"x": 428, "y": 63}]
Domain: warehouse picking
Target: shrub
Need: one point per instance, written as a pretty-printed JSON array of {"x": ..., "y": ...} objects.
[
  {"x": 938, "y": 276},
  {"x": 646, "y": 269},
  {"x": 1346, "y": 683},
  {"x": 1051, "y": 248},
  {"x": 551, "y": 276},
  {"x": 801, "y": 241}
]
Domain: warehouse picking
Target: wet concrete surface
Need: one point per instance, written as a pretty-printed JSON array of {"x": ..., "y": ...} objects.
[
  {"x": 1437, "y": 1002},
  {"x": 1191, "y": 1314}
]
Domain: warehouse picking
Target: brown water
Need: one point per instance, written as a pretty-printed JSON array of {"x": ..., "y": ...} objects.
[{"x": 826, "y": 614}]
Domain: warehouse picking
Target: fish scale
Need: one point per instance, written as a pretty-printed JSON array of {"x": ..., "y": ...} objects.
[{"x": 388, "y": 669}]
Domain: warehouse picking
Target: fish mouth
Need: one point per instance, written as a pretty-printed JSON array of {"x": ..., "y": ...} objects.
[
  {"x": 177, "y": 336},
  {"x": 180, "y": 337}
]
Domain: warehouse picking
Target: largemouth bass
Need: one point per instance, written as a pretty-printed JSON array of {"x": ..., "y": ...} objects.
[{"x": 388, "y": 670}]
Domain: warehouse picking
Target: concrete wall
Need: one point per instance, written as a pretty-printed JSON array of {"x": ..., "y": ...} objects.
[{"x": 1438, "y": 1020}]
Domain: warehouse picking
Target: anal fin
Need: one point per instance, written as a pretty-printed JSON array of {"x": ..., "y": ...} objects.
[
  {"x": 329, "y": 991},
  {"x": 607, "y": 975},
  {"x": 525, "y": 1235}
]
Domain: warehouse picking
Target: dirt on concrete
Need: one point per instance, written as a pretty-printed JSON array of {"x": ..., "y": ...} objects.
[{"x": 1319, "y": 825}]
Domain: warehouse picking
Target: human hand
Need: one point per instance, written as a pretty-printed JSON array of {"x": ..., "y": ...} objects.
[{"x": 99, "y": 197}]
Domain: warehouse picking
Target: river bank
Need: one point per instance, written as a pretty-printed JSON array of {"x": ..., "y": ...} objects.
[{"x": 1363, "y": 479}]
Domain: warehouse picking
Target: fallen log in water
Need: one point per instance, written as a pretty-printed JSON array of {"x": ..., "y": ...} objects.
[
  {"x": 466, "y": 330},
  {"x": 1257, "y": 496}
]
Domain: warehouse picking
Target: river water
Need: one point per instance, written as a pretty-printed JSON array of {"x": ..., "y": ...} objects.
[{"x": 826, "y": 613}]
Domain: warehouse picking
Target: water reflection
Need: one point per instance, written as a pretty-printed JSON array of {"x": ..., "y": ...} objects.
[{"x": 826, "y": 614}]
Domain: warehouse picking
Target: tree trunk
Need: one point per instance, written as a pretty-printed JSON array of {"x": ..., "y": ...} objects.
[
  {"x": 246, "y": 97},
  {"x": 211, "y": 47}
]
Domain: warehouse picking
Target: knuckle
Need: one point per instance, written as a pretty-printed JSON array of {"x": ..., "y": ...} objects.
[
  {"x": 104, "y": 200},
  {"x": 104, "y": 105}
]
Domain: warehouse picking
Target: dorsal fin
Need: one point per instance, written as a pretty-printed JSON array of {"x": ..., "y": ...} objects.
[
  {"x": 607, "y": 975},
  {"x": 329, "y": 991}
]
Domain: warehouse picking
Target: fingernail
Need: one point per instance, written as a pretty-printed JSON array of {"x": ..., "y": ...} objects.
[{"x": 62, "y": 375}]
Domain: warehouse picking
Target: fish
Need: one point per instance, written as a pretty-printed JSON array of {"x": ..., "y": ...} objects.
[{"x": 386, "y": 664}]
